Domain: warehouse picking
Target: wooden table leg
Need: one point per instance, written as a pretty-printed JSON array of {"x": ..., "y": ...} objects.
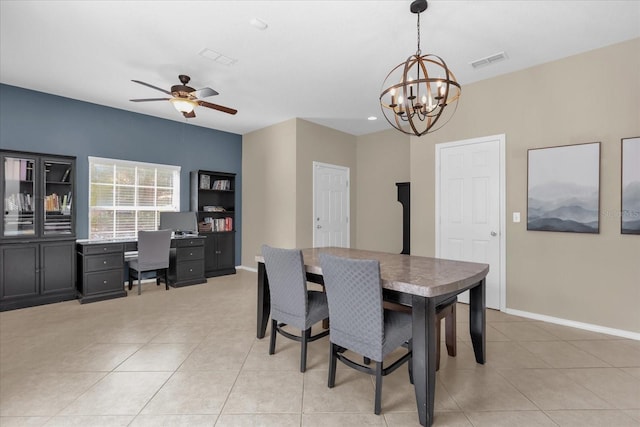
[
  {"x": 264, "y": 301},
  {"x": 477, "y": 320},
  {"x": 424, "y": 356}
]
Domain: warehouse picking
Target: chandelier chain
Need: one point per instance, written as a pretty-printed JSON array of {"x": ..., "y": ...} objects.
[{"x": 418, "y": 52}]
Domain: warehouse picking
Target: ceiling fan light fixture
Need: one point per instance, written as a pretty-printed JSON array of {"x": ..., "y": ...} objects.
[{"x": 183, "y": 105}]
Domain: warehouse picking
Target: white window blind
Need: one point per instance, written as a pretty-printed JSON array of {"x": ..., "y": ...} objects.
[{"x": 126, "y": 196}]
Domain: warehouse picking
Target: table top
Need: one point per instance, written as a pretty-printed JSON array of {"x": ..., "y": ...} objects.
[
  {"x": 415, "y": 275},
  {"x": 134, "y": 239}
]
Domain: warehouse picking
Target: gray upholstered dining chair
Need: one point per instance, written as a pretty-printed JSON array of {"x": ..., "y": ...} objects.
[
  {"x": 359, "y": 322},
  {"x": 291, "y": 302},
  {"x": 153, "y": 255}
]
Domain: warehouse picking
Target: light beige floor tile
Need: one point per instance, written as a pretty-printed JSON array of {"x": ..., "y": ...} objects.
[
  {"x": 513, "y": 354},
  {"x": 483, "y": 390},
  {"x": 523, "y": 331},
  {"x": 23, "y": 421},
  {"x": 119, "y": 393},
  {"x": 287, "y": 355},
  {"x": 265, "y": 391},
  {"x": 98, "y": 357},
  {"x": 221, "y": 354},
  {"x": 158, "y": 357},
  {"x": 43, "y": 394},
  {"x": 592, "y": 418},
  {"x": 615, "y": 386},
  {"x": 398, "y": 394},
  {"x": 573, "y": 334},
  {"x": 174, "y": 421},
  {"x": 633, "y": 413},
  {"x": 184, "y": 333},
  {"x": 192, "y": 392},
  {"x": 549, "y": 389},
  {"x": 634, "y": 372},
  {"x": 93, "y": 421},
  {"x": 353, "y": 392},
  {"x": 510, "y": 419},
  {"x": 462, "y": 333},
  {"x": 441, "y": 419},
  {"x": 262, "y": 420},
  {"x": 618, "y": 353},
  {"x": 341, "y": 419},
  {"x": 561, "y": 354}
]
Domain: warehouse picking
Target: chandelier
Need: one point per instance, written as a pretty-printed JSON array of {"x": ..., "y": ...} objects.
[{"x": 416, "y": 93}]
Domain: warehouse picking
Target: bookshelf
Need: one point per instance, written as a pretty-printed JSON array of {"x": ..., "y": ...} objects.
[
  {"x": 213, "y": 200},
  {"x": 37, "y": 232}
]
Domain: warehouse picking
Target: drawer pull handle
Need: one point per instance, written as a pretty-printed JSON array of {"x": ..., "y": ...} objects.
[
  {"x": 191, "y": 270},
  {"x": 104, "y": 249},
  {"x": 190, "y": 253},
  {"x": 105, "y": 282},
  {"x": 104, "y": 262}
]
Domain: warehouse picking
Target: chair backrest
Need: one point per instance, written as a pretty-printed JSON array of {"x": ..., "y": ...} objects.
[
  {"x": 153, "y": 249},
  {"x": 287, "y": 284},
  {"x": 354, "y": 295}
]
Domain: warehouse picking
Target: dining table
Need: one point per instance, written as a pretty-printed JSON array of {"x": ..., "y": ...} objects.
[{"x": 423, "y": 283}]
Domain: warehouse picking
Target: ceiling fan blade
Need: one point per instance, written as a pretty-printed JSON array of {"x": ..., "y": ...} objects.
[
  {"x": 204, "y": 92},
  {"x": 217, "y": 107},
  {"x": 150, "y": 99},
  {"x": 151, "y": 86},
  {"x": 189, "y": 115}
]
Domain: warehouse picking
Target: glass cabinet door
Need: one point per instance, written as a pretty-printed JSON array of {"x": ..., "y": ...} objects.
[
  {"x": 58, "y": 197},
  {"x": 19, "y": 196}
]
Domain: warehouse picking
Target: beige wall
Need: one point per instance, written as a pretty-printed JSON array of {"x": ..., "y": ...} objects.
[
  {"x": 383, "y": 160},
  {"x": 268, "y": 189},
  {"x": 321, "y": 144},
  {"x": 277, "y": 180},
  {"x": 590, "y": 97}
]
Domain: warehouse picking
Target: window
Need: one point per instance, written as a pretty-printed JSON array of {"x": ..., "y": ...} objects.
[{"x": 126, "y": 196}]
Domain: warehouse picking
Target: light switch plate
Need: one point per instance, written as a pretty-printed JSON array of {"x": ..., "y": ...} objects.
[{"x": 516, "y": 217}]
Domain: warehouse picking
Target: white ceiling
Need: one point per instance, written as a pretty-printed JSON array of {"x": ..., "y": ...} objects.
[{"x": 323, "y": 61}]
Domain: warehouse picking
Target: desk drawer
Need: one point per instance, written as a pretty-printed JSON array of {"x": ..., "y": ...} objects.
[
  {"x": 186, "y": 254},
  {"x": 104, "y": 262},
  {"x": 190, "y": 270},
  {"x": 106, "y": 281},
  {"x": 182, "y": 243},
  {"x": 102, "y": 249}
]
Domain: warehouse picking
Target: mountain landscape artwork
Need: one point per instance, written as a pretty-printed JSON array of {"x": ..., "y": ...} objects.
[
  {"x": 630, "y": 213},
  {"x": 563, "y": 191}
]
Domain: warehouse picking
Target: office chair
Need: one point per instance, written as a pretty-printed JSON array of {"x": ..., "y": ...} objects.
[
  {"x": 359, "y": 322},
  {"x": 291, "y": 302},
  {"x": 153, "y": 255}
]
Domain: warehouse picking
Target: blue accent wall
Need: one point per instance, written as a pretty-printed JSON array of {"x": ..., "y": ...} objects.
[{"x": 44, "y": 123}]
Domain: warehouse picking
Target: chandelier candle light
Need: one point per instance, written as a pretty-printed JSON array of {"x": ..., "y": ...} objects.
[{"x": 416, "y": 93}]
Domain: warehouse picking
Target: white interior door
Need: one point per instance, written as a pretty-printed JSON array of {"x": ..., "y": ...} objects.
[
  {"x": 470, "y": 208},
  {"x": 330, "y": 205}
]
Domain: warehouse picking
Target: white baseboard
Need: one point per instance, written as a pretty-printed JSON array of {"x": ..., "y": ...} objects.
[
  {"x": 574, "y": 324},
  {"x": 242, "y": 267}
]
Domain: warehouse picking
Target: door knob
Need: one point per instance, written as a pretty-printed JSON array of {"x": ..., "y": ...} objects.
[{"x": 494, "y": 234}]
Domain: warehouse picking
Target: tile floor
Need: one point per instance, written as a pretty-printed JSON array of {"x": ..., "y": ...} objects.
[{"x": 189, "y": 357}]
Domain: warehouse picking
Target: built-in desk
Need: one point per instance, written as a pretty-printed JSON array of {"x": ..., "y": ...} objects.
[{"x": 101, "y": 263}]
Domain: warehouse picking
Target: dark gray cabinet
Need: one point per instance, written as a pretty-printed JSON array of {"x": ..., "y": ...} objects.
[
  {"x": 213, "y": 200},
  {"x": 37, "y": 231},
  {"x": 100, "y": 271}
]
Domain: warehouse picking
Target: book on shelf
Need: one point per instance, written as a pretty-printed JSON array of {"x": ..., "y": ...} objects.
[
  {"x": 221, "y": 184},
  {"x": 65, "y": 177},
  {"x": 205, "y": 182}
]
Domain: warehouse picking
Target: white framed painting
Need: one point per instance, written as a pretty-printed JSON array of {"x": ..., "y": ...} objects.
[
  {"x": 630, "y": 209},
  {"x": 563, "y": 188}
]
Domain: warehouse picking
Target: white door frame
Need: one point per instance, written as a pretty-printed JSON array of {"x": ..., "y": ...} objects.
[
  {"x": 503, "y": 207},
  {"x": 313, "y": 212}
]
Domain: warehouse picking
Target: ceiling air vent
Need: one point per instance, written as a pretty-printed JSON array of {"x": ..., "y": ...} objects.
[
  {"x": 216, "y": 57},
  {"x": 487, "y": 60}
]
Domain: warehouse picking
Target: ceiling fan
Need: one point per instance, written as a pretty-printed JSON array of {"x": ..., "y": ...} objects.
[{"x": 184, "y": 98}]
